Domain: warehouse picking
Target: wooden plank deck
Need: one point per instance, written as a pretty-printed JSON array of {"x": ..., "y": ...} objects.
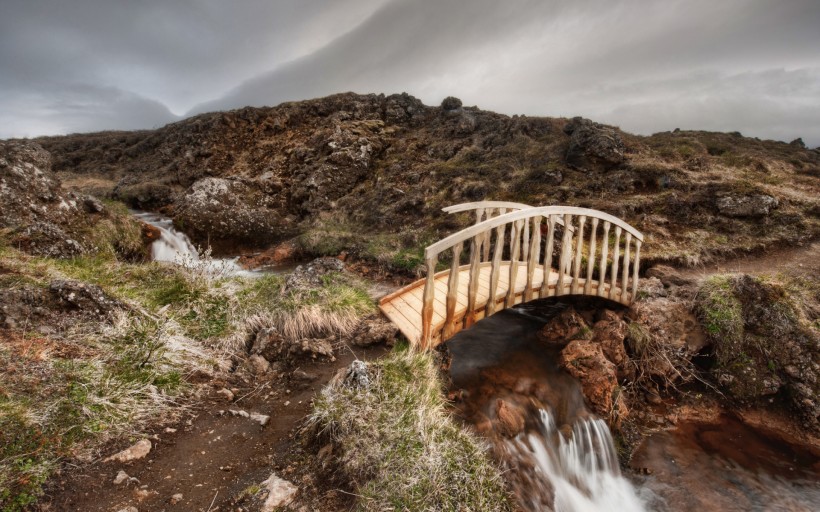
[{"x": 403, "y": 307}]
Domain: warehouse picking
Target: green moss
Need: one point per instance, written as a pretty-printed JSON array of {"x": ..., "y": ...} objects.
[{"x": 721, "y": 314}]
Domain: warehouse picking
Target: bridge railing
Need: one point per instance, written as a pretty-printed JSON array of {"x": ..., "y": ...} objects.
[{"x": 563, "y": 234}]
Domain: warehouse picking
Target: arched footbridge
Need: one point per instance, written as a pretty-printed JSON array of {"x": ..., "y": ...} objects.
[{"x": 515, "y": 253}]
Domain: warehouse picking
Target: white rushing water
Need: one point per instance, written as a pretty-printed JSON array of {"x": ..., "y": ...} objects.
[
  {"x": 175, "y": 247},
  {"x": 581, "y": 468}
]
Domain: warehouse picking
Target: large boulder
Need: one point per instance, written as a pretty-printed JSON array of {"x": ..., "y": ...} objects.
[
  {"x": 86, "y": 298},
  {"x": 757, "y": 205},
  {"x": 29, "y": 191},
  {"x": 762, "y": 347},
  {"x": 593, "y": 145},
  {"x": 230, "y": 212}
]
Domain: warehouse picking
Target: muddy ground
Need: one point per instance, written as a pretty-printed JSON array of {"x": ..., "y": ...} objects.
[{"x": 214, "y": 459}]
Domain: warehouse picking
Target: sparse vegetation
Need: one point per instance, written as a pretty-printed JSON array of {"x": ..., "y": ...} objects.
[{"x": 399, "y": 446}]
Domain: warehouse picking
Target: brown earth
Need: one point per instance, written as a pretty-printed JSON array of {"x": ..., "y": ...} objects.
[
  {"x": 216, "y": 460},
  {"x": 368, "y": 174}
]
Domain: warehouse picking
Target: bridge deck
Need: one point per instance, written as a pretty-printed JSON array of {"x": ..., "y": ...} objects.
[{"x": 404, "y": 306}]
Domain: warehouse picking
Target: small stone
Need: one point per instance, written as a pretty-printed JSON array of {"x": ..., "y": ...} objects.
[
  {"x": 129, "y": 509},
  {"x": 176, "y": 498},
  {"x": 261, "y": 418},
  {"x": 137, "y": 451},
  {"x": 169, "y": 430},
  {"x": 227, "y": 393},
  {"x": 242, "y": 413},
  {"x": 259, "y": 364},
  {"x": 121, "y": 477},
  {"x": 280, "y": 493}
]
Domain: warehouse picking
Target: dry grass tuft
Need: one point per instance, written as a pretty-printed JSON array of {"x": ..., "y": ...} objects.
[{"x": 400, "y": 447}]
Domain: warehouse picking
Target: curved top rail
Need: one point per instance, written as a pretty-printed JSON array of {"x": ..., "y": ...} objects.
[
  {"x": 464, "y": 207},
  {"x": 543, "y": 211}
]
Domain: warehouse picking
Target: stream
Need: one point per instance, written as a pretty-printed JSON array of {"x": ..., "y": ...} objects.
[
  {"x": 559, "y": 456},
  {"x": 175, "y": 247}
]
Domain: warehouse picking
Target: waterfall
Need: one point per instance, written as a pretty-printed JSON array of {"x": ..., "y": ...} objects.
[
  {"x": 175, "y": 247},
  {"x": 580, "y": 467}
]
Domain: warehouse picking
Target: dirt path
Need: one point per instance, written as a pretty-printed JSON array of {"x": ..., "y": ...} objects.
[
  {"x": 793, "y": 261},
  {"x": 215, "y": 460}
]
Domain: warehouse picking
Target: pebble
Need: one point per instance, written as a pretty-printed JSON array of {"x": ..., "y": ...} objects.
[
  {"x": 137, "y": 451},
  {"x": 227, "y": 393},
  {"x": 176, "y": 498}
]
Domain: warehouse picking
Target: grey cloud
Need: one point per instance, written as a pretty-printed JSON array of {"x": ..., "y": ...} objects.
[{"x": 749, "y": 65}]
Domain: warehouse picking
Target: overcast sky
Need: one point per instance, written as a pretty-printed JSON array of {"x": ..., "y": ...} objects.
[{"x": 645, "y": 65}]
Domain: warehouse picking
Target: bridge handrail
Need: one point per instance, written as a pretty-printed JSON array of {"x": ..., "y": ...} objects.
[
  {"x": 524, "y": 245},
  {"x": 465, "y": 207},
  {"x": 523, "y": 214}
]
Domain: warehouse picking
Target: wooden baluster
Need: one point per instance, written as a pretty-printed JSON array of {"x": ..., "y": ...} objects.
[
  {"x": 479, "y": 217},
  {"x": 452, "y": 293},
  {"x": 515, "y": 249},
  {"x": 579, "y": 250},
  {"x": 625, "y": 276},
  {"x": 472, "y": 286},
  {"x": 495, "y": 271},
  {"x": 534, "y": 253},
  {"x": 591, "y": 256},
  {"x": 486, "y": 244},
  {"x": 615, "y": 256},
  {"x": 636, "y": 266},
  {"x": 602, "y": 266},
  {"x": 428, "y": 303},
  {"x": 566, "y": 249},
  {"x": 525, "y": 242},
  {"x": 545, "y": 290}
]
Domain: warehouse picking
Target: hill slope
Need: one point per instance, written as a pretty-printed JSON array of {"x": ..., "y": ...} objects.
[{"x": 348, "y": 172}]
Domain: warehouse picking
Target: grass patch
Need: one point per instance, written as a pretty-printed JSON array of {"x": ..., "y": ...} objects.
[
  {"x": 400, "y": 447},
  {"x": 334, "y": 307},
  {"x": 721, "y": 314}
]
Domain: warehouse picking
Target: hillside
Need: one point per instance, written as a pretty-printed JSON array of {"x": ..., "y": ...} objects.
[{"x": 348, "y": 171}]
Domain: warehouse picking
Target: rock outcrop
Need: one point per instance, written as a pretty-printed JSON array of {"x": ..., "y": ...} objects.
[
  {"x": 758, "y": 205},
  {"x": 593, "y": 145}
]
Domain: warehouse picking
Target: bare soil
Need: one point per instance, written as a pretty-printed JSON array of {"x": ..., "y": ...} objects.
[{"x": 214, "y": 459}]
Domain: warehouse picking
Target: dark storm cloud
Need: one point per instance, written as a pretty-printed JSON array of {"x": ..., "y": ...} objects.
[{"x": 747, "y": 65}]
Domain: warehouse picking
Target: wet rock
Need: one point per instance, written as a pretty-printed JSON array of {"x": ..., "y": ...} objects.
[
  {"x": 585, "y": 360},
  {"x": 593, "y": 145},
  {"x": 150, "y": 234},
  {"x": 271, "y": 257},
  {"x": 373, "y": 330},
  {"x": 566, "y": 326},
  {"x": 280, "y": 493},
  {"x": 758, "y": 205},
  {"x": 135, "y": 452},
  {"x": 310, "y": 275},
  {"x": 610, "y": 333},
  {"x": 509, "y": 419},
  {"x": 84, "y": 297}
]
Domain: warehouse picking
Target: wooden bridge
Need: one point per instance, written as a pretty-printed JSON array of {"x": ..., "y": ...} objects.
[{"x": 537, "y": 252}]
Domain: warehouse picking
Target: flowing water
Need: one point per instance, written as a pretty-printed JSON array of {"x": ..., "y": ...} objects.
[
  {"x": 175, "y": 247},
  {"x": 558, "y": 456}
]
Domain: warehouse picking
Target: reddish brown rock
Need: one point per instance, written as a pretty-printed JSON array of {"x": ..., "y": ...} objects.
[
  {"x": 509, "y": 419},
  {"x": 585, "y": 360},
  {"x": 276, "y": 255},
  {"x": 610, "y": 332},
  {"x": 566, "y": 326},
  {"x": 150, "y": 234}
]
